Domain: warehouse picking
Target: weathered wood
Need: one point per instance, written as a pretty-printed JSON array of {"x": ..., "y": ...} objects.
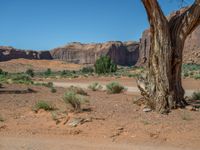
[{"x": 162, "y": 86}]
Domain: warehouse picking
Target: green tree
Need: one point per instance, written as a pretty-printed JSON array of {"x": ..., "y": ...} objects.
[{"x": 105, "y": 65}]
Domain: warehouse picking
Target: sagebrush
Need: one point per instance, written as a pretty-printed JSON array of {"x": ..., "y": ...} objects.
[
  {"x": 77, "y": 90},
  {"x": 114, "y": 87},
  {"x": 43, "y": 105},
  {"x": 196, "y": 95},
  {"x": 95, "y": 86}
]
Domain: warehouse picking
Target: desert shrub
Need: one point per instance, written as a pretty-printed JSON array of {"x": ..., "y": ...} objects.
[
  {"x": 21, "y": 78},
  {"x": 105, "y": 65},
  {"x": 1, "y": 71},
  {"x": 197, "y": 76},
  {"x": 30, "y": 72},
  {"x": 186, "y": 74},
  {"x": 87, "y": 70},
  {"x": 130, "y": 75},
  {"x": 114, "y": 87},
  {"x": 66, "y": 73},
  {"x": 196, "y": 95},
  {"x": 48, "y": 72},
  {"x": 77, "y": 90},
  {"x": 73, "y": 99},
  {"x": 191, "y": 67},
  {"x": 43, "y": 105},
  {"x": 1, "y": 119},
  {"x": 95, "y": 86},
  {"x": 53, "y": 90},
  {"x": 49, "y": 84}
]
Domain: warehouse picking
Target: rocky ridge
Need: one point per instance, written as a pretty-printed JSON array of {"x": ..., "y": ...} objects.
[
  {"x": 122, "y": 53},
  {"x": 8, "y": 53}
]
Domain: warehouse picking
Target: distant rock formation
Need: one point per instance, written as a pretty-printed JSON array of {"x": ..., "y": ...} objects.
[
  {"x": 191, "y": 52},
  {"x": 8, "y": 53},
  {"x": 125, "y": 54}
]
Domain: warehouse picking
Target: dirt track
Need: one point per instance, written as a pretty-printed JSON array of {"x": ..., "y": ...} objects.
[
  {"x": 132, "y": 89},
  {"x": 53, "y": 143}
]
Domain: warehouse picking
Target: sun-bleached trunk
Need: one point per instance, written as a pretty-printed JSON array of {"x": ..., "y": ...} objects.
[{"x": 162, "y": 85}]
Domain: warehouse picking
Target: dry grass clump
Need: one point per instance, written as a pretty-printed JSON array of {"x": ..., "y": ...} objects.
[
  {"x": 75, "y": 100},
  {"x": 95, "y": 86},
  {"x": 43, "y": 105},
  {"x": 77, "y": 90},
  {"x": 114, "y": 87}
]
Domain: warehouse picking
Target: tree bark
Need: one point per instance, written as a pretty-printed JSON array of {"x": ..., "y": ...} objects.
[{"x": 162, "y": 85}]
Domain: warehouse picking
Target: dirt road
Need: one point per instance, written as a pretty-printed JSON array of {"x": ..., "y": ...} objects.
[
  {"x": 133, "y": 89},
  {"x": 72, "y": 143}
]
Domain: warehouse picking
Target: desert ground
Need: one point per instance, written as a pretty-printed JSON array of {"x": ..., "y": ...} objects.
[
  {"x": 107, "y": 122},
  {"x": 21, "y": 65}
]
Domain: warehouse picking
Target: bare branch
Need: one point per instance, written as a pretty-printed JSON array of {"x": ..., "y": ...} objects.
[
  {"x": 186, "y": 21},
  {"x": 156, "y": 16}
]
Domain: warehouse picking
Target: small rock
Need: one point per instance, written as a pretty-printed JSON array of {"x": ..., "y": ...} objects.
[
  {"x": 75, "y": 122},
  {"x": 120, "y": 128},
  {"x": 147, "y": 110}
]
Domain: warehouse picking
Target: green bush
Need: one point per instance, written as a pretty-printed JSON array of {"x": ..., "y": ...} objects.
[
  {"x": 197, "y": 76},
  {"x": 43, "y": 105},
  {"x": 77, "y": 90},
  {"x": 73, "y": 99},
  {"x": 105, "y": 65},
  {"x": 66, "y": 73},
  {"x": 1, "y": 71},
  {"x": 49, "y": 84},
  {"x": 30, "y": 72},
  {"x": 186, "y": 74},
  {"x": 196, "y": 95},
  {"x": 95, "y": 86},
  {"x": 114, "y": 87},
  {"x": 87, "y": 70},
  {"x": 21, "y": 78},
  {"x": 53, "y": 90},
  {"x": 48, "y": 72}
]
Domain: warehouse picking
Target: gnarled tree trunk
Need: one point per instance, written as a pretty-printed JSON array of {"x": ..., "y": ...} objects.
[{"x": 162, "y": 86}]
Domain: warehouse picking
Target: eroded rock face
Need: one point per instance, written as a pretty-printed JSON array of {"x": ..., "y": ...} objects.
[
  {"x": 126, "y": 53},
  {"x": 191, "y": 52},
  {"x": 8, "y": 53}
]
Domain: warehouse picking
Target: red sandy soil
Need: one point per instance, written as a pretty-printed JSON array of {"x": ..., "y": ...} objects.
[
  {"x": 117, "y": 123},
  {"x": 21, "y": 65}
]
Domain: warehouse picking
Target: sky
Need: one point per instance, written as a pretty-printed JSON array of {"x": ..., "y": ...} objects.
[{"x": 46, "y": 24}]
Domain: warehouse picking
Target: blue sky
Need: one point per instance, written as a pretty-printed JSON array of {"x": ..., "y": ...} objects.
[{"x": 46, "y": 24}]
